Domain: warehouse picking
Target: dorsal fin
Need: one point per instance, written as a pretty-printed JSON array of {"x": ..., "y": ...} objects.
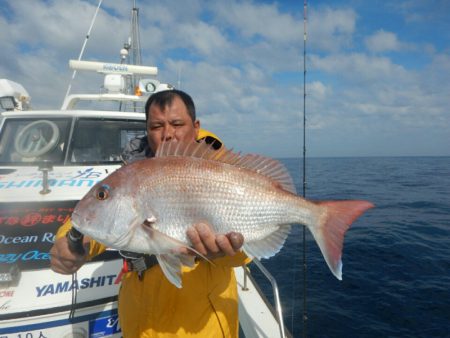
[
  {"x": 260, "y": 164},
  {"x": 268, "y": 167}
]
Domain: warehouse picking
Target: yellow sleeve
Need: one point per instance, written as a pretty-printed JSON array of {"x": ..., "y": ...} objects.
[
  {"x": 95, "y": 248},
  {"x": 238, "y": 259}
]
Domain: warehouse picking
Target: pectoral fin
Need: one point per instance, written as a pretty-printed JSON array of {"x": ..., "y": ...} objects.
[
  {"x": 171, "y": 266},
  {"x": 169, "y": 254}
]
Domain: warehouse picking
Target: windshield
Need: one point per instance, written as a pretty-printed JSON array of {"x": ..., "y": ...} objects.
[
  {"x": 26, "y": 141},
  {"x": 102, "y": 141}
]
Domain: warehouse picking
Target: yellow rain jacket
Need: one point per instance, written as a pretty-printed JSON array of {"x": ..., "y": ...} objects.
[{"x": 206, "y": 305}]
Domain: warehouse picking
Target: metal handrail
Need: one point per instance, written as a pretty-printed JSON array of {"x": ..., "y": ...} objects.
[{"x": 276, "y": 294}]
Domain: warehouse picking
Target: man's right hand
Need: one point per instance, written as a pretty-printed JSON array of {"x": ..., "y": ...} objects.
[
  {"x": 205, "y": 241},
  {"x": 63, "y": 260}
]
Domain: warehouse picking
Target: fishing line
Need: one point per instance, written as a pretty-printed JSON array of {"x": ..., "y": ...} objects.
[{"x": 74, "y": 296}]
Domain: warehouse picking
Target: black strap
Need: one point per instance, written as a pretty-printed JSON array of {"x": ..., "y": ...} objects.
[
  {"x": 138, "y": 262},
  {"x": 142, "y": 263}
]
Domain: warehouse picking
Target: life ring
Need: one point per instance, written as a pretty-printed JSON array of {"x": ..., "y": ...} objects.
[{"x": 37, "y": 138}]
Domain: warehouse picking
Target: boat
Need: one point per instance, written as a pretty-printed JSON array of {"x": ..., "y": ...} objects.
[{"x": 48, "y": 160}]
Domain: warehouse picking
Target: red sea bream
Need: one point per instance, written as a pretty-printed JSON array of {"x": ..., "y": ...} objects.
[{"x": 148, "y": 205}]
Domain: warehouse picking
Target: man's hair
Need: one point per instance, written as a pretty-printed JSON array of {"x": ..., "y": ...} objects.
[{"x": 165, "y": 98}]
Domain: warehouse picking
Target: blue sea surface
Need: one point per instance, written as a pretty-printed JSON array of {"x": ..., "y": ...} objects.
[{"x": 396, "y": 272}]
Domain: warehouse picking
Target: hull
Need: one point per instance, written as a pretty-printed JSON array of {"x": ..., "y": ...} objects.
[
  {"x": 37, "y": 302},
  {"x": 41, "y": 304}
]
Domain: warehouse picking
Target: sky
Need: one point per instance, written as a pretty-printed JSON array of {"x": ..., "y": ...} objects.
[{"x": 377, "y": 72}]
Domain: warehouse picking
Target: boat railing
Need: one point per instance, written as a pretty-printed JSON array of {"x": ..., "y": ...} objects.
[
  {"x": 276, "y": 294},
  {"x": 71, "y": 101}
]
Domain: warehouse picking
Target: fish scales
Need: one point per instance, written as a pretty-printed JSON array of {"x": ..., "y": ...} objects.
[{"x": 229, "y": 198}]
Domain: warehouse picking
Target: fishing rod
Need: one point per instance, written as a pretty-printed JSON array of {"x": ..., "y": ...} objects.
[
  {"x": 75, "y": 241},
  {"x": 74, "y": 237},
  {"x": 305, "y": 313}
]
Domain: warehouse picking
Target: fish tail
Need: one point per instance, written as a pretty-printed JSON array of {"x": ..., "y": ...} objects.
[{"x": 334, "y": 220}]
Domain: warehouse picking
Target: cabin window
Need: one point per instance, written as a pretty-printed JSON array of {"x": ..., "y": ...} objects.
[
  {"x": 97, "y": 141},
  {"x": 30, "y": 141}
]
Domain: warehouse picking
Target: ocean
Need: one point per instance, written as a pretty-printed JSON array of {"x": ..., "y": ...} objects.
[{"x": 396, "y": 272}]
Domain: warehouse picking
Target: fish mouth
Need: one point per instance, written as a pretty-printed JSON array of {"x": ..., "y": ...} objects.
[{"x": 74, "y": 223}]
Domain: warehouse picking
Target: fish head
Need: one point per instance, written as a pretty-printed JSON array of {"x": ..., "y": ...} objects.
[{"x": 109, "y": 211}]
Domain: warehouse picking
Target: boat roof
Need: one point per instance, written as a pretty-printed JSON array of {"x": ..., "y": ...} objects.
[{"x": 74, "y": 113}]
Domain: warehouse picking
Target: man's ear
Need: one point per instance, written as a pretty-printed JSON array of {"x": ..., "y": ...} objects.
[{"x": 196, "y": 127}]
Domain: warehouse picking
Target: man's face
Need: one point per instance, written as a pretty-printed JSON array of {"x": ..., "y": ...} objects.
[{"x": 170, "y": 123}]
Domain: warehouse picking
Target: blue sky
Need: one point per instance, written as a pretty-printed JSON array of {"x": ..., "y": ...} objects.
[{"x": 378, "y": 72}]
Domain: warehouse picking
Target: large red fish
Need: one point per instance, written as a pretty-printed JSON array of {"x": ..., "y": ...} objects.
[{"x": 148, "y": 205}]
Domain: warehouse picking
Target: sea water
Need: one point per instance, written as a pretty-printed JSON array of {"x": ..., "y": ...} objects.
[{"x": 396, "y": 272}]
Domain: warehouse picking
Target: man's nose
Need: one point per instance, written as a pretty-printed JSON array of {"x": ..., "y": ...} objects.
[{"x": 169, "y": 133}]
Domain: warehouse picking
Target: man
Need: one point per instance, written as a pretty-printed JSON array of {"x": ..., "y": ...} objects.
[{"x": 149, "y": 305}]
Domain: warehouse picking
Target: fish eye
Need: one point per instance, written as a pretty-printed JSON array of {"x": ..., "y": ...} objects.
[{"x": 102, "y": 192}]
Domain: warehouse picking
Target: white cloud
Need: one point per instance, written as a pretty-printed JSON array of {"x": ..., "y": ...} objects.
[
  {"x": 359, "y": 68},
  {"x": 50, "y": 25},
  {"x": 331, "y": 29},
  {"x": 259, "y": 20},
  {"x": 382, "y": 41},
  {"x": 241, "y": 62},
  {"x": 375, "y": 89},
  {"x": 317, "y": 90},
  {"x": 205, "y": 39}
]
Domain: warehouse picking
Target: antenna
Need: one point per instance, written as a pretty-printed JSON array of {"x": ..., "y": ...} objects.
[
  {"x": 135, "y": 42},
  {"x": 83, "y": 47}
]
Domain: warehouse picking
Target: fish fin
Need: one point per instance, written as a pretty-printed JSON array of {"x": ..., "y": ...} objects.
[
  {"x": 171, "y": 262},
  {"x": 160, "y": 241},
  {"x": 329, "y": 233},
  {"x": 200, "y": 255},
  {"x": 187, "y": 260},
  {"x": 268, "y": 246},
  {"x": 171, "y": 243},
  {"x": 268, "y": 167},
  {"x": 257, "y": 163},
  {"x": 171, "y": 266}
]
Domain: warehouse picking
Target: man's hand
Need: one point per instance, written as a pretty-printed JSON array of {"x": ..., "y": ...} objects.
[
  {"x": 212, "y": 245},
  {"x": 63, "y": 260}
]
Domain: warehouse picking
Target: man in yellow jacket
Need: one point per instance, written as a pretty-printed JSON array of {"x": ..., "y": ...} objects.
[{"x": 149, "y": 305}]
